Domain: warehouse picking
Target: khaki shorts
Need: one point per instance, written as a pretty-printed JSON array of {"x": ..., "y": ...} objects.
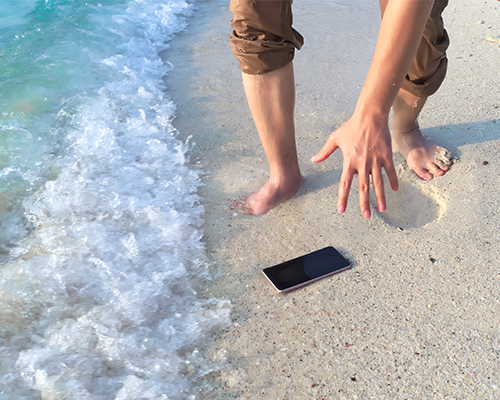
[{"x": 263, "y": 40}]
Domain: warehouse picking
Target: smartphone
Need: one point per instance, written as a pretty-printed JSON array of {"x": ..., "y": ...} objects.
[{"x": 303, "y": 270}]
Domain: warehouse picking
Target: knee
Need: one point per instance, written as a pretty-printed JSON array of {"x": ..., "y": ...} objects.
[
  {"x": 263, "y": 38},
  {"x": 429, "y": 67}
]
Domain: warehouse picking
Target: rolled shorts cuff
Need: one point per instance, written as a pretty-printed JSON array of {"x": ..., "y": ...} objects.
[
  {"x": 428, "y": 69},
  {"x": 428, "y": 86},
  {"x": 263, "y": 39},
  {"x": 266, "y": 56}
]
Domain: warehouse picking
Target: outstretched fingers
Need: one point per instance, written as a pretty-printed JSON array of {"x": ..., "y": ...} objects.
[
  {"x": 344, "y": 189},
  {"x": 390, "y": 170},
  {"x": 364, "y": 193},
  {"x": 377, "y": 181},
  {"x": 328, "y": 148},
  {"x": 378, "y": 187},
  {"x": 365, "y": 150}
]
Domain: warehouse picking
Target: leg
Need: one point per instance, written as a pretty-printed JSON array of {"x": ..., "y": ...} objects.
[
  {"x": 264, "y": 42},
  {"x": 271, "y": 97},
  {"x": 424, "y": 78},
  {"x": 420, "y": 153}
]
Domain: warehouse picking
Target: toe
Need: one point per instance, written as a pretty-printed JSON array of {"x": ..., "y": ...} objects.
[
  {"x": 422, "y": 173},
  {"x": 442, "y": 166},
  {"x": 241, "y": 206},
  {"x": 434, "y": 169},
  {"x": 235, "y": 204}
]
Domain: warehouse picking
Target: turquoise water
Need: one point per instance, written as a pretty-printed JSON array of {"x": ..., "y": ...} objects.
[
  {"x": 100, "y": 223},
  {"x": 15, "y": 12}
]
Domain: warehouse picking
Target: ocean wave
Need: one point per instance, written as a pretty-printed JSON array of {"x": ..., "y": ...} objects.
[{"x": 99, "y": 287}]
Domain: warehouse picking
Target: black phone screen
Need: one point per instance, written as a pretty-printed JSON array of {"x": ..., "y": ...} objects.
[{"x": 305, "y": 269}]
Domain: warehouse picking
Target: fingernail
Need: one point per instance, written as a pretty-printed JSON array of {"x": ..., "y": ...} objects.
[
  {"x": 314, "y": 158},
  {"x": 366, "y": 214},
  {"x": 381, "y": 207},
  {"x": 341, "y": 209}
]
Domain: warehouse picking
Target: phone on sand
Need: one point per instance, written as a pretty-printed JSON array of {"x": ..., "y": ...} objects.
[{"x": 308, "y": 268}]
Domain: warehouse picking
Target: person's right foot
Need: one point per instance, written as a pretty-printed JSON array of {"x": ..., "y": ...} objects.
[{"x": 269, "y": 196}]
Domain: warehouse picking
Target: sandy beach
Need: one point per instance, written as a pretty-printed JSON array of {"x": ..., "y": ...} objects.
[{"x": 418, "y": 315}]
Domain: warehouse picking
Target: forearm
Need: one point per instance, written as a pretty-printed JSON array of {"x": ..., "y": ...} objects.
[{"x": 400, "y": 33}]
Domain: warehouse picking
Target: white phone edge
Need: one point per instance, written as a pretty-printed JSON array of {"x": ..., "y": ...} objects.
[{"x": 306, "y": 282}]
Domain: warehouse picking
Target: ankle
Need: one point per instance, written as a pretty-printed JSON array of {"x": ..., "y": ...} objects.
[
  {"x": 404, "y": 127},
  {"x": 406, "y": 109},
  {"x": 284, "y": 172}
]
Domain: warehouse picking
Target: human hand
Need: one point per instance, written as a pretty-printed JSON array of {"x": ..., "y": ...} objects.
[{"x": 366, "y": 149}]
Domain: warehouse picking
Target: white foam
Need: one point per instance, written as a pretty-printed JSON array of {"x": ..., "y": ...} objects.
[{"x": 100, "y": 301}]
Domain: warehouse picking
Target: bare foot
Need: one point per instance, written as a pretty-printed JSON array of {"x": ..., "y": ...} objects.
[
  {"x": 271, "y": 98},
  {"x": 423, "y": 156},
  {"x": 269, "y": 196}
]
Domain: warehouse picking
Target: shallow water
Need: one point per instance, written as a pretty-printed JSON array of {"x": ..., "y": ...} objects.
[{"x": 101, "y": 225}]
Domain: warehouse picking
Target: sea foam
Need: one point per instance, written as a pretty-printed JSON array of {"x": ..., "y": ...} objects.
[{"x": 99, "y": 290}]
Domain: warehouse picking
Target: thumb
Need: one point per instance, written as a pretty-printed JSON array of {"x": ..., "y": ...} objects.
[{"x": 329, "y": 147}]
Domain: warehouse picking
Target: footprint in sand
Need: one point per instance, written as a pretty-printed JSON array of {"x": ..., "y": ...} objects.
[{"x": 414, "y": 205}]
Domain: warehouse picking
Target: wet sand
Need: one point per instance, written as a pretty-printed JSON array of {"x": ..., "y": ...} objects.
[{"x": 418, "y": 314}]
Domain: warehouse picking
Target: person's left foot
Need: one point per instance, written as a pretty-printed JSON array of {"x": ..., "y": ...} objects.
[{"x": 423, "y": 156}]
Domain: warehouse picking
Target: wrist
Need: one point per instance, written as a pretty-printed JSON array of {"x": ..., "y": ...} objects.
[{"x": 373, "y": 114}]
